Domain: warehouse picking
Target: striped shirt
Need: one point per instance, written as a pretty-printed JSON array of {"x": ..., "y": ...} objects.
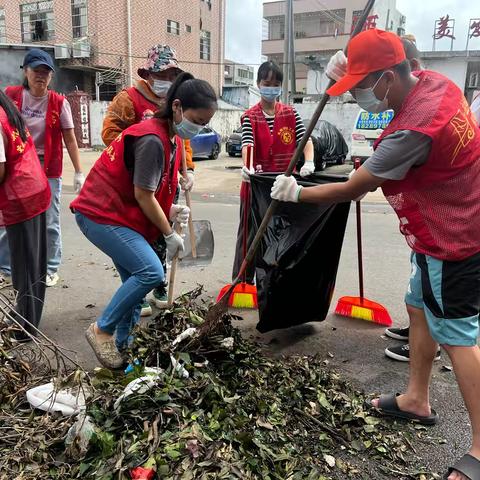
[{"x": 247, "y": 133}]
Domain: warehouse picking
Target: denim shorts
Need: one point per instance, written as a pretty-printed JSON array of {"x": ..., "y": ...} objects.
[{"x": 449, "y": 293}]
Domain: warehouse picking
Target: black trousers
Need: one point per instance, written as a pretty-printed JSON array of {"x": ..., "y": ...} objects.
[
  {"x": 245, "y": 237},
  {"x": 28, "y": 256}
]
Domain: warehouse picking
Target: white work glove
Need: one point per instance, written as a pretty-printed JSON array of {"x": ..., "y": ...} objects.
[
  {"x": 78, "y": 181},
  {"x": 286, "y": 189},
  {"x": 307, "y": 169},
  {"x": 337, "y": 66},
  {"x": 361, "y": 197},
  {"x": 179, "y": 214},
  {"x": 246, "y": 172},
  {"x": 186, "y": 182},
  {"x": 175, "y": 245}
]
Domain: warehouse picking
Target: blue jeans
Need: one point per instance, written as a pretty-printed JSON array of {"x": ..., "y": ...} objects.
[
  {"x": 138, "y": 266},
  {"x": 54, "y": 239}
]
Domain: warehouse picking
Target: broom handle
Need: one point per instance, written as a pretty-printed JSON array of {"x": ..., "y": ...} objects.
[
  {"x": 246, "y": 210},
  {"x": 188, "y": 200},
  {"x": 296, "y": 156},
  {"x": 358, "y": 209}
]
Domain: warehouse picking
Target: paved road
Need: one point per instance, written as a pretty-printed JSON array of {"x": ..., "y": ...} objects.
[{"x": 88, "y": 281}]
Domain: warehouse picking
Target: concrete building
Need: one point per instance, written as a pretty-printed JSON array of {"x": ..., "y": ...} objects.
[
  {"x": 321, "y": 28},
  {"x": 461, "y": 67},
  {"x": 238, "y": 74},
  {"x": 99, "y": 44}
]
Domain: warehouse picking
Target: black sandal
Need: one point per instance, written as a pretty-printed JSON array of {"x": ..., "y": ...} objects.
[
  {"x": 468, "y": 466},
  {"x": 387, "y": 405}
]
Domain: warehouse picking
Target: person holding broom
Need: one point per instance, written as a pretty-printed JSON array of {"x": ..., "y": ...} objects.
[
  {"x": 271, "y": 130},
  {"x": 139, "y": 103},
  {"x": 24, "y": 199},
  {"x": 427, "y": 162},
  {"x": 127, "y": 203}
]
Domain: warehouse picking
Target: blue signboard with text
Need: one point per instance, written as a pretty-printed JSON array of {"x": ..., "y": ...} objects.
[{"x": 374, "y": 121}]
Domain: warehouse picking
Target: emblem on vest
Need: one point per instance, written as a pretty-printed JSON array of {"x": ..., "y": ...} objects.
[
  {"x": 286, "y": 135},
  {"x": 147, "y": 114}
]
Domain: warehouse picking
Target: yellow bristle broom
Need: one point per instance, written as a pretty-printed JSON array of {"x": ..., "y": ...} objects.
[
  {"x": 243, "y": 295},
  {"x": 360, "y": 307}
]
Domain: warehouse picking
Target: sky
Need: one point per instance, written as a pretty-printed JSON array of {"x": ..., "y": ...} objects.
[{"x": 244, "y": 25}]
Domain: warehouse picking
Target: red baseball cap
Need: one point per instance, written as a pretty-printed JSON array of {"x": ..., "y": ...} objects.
[{"x": 368, "y": 52}]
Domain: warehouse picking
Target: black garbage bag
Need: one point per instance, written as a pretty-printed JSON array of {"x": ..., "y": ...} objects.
[
  {"x": 297, "y": 262},
  {"x": 331, "y": 145}
]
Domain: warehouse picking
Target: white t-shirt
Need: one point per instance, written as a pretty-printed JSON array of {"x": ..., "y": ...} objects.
[
  {"x": 3, "y": 142},
  {"x": 34, "y": 110},
  {"x": 475, "y": 107}
]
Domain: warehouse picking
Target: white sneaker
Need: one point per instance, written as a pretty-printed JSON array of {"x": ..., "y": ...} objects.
[
  {"x": 52, "y": 279},
  {"x": 5, "y": 280}
]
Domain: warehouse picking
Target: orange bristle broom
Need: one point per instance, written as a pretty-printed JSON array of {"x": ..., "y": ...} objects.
[
  {"x": 360, "y": 307},
  {"x": 244, "y": 295}
]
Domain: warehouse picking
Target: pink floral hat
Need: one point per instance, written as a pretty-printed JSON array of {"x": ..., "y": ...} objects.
[{"x": 159, "y": 58}]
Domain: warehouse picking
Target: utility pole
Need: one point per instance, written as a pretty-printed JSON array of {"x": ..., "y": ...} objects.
[
  {"x": 286, "y": 51},
  {"x": 293, "y": 81},
  {"x": 129, "y": 43}
]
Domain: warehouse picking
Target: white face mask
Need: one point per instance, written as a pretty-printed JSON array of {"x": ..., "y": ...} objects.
[
  {"x": 367, "y": 99},
  {"x": 161, "y": 87}
]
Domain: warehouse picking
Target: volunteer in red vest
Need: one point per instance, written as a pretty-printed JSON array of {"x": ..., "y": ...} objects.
[
  {"x": 24, "y": 199},
  {"x": 127, "y": 203},
  {"x": 273, "y": 129},
  {"x": 427, "y": 162},
  {"x": 138, "y": 103},
  {"x": 48, "y": 117}
]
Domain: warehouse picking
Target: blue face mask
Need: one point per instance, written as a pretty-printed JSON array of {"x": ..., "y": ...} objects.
[
  {"x": 186, "y": 129},
  {"x": 270, "y": 93}
]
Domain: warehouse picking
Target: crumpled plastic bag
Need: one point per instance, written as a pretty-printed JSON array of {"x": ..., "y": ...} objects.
[
  {"x": 79, "y": 436},
  {"x": 139, "y": 385},
  {"x": 68, "y": 401}
]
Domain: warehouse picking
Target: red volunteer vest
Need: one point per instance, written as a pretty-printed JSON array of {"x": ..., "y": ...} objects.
[
  {"x": 144, "y": 109},
  {"x": 108, "y": 197},
  {"x": 25, "y": 192},
  {"x": 53, "y": 155},
  {"x": 272, "y": 151},
  {"x": 438, "y": 203}
]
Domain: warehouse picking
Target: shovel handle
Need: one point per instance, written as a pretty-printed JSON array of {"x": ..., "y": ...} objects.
[
  {"x": 173, "y": 271},
  {"x": 296, "y": 156},
  {"x": 188, "y": 200}
]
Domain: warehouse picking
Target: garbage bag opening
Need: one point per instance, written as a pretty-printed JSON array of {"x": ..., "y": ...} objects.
[{"x": 297, "y": 262}]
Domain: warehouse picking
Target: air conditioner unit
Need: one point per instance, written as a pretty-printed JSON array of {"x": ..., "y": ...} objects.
[
  {"x": 474, "y": 80},
  {"x": 62, "y": 51},
  {"x": 81, "y": 48}
]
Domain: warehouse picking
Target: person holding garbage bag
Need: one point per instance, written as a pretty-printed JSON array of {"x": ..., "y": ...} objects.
[
  {"x": 138, "y": 103},
  {"x": 271, "y": 130},
  {"x": 24, "y": 199},
  {"x": 127, "y": 203},
  {"x": 427, "y": 163}
]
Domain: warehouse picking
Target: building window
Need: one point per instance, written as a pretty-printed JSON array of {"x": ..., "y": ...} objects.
[
  {"x": 318, "y": 24},
  {"x": 205, "y": 45},
  {"x": 188, "y": 28},
  {"x": 79, "y": 18},
  {"x": 37, "y": 21},
  {"x": 3, "y": 30},
  {"x": 275, "y": 28},
  {"x": 173, "y": 27}
]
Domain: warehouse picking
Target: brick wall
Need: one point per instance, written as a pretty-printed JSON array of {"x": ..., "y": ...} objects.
[{"x": 107, "y": 26}]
